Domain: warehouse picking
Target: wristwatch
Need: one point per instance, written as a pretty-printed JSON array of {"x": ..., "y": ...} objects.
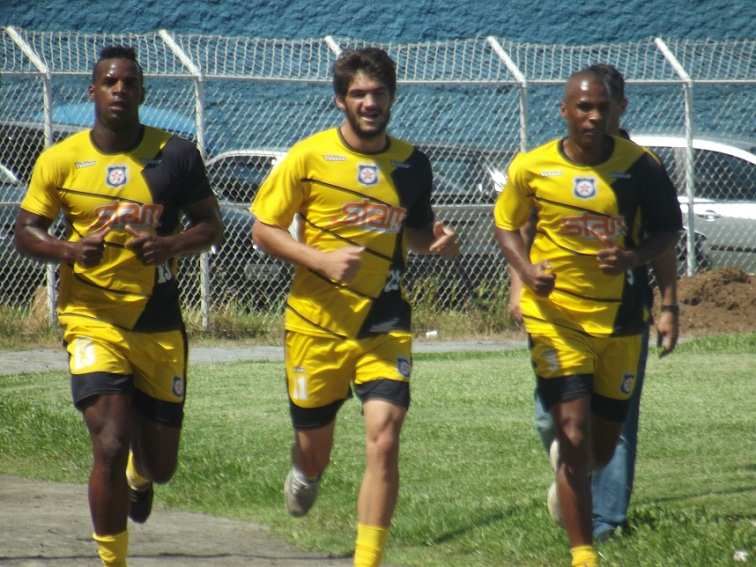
[{"x": 671, "y": 308}]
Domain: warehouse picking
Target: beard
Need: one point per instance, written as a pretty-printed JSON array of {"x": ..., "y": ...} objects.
[
  {"x": 372, "y": 132},
  {"x": 118, "y": 121}
]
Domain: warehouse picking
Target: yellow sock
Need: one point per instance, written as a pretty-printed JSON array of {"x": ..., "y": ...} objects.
[
  {"x": 112, "y": 549},
  {"x": 135, "y": 480},
  {"x": 368, "y": 549},
  {"x": 584, "y": 556}
]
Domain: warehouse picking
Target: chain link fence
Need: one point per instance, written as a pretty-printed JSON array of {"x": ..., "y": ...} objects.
[{"x": 470, "y": 104}]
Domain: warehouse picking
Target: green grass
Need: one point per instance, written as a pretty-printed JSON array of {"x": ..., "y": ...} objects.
[{"x": 474, "y": 475}]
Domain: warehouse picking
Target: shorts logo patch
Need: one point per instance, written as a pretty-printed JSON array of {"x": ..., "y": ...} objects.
[
  {"x": 178, "y": 387},
  {"x": 584, "y": 187},
  {"x": 117, "y": 176},
  {"x": 83, "y": 353},
  {"x": 298, "y": 389},
  {"x": 367, "y": 174},
  {"x": 627, "y": 383},
  {"x": 404, "y": 367},
  {"x": 550, "y": 359}
]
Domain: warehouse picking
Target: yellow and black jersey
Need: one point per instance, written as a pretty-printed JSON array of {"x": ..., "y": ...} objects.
[
  {"x": 626, "y": 196},
  {"x": 343, "y": 198},
  {"x": 145, "y": 187}
]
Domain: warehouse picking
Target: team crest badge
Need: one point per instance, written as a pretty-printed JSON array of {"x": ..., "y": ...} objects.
[
  {"x": 404, "y": 367},
  {"x": 627, "y": 383},
  {"x": 367, "y": 174},
  {"x": 117, "y": 176},
  {"x": 584, "y": 187}
]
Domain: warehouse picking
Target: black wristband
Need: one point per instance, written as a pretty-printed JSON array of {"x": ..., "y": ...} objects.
[{"x": 672, "y": 308}]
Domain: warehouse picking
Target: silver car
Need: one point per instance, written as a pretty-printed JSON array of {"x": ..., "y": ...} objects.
[{"x": 724, "y": 203}]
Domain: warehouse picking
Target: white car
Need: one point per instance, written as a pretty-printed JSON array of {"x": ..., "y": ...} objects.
[{"x": 724, "y": 206}]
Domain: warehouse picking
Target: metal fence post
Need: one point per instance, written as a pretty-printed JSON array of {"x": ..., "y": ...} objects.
[
  {"x": 522, "y": 84},
  {"x": 199, "y": 117},
  {"x": 687, "y": 87},
  {"x": 44, "y": 71}
]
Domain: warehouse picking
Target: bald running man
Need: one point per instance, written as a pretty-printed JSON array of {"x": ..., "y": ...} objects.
[{"x": 605, "y": 208}]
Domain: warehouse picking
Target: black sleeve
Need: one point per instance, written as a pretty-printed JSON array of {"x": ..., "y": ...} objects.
[
  {"x": 194, "y": 184},
  {"x": 659, "y": 205},
  {"x": 420, "y": 214}
]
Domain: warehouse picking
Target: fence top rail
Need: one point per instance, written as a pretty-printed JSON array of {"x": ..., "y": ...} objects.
[{"x": 458, "y": 60}]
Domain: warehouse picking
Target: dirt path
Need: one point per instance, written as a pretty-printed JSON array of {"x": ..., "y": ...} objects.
[{"x": 45, "y": 524}]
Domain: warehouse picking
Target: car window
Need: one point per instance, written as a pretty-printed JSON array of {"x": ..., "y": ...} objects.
[
  {"x": 724, "y": 177},
  {"x": 462, "y": 175},
  {"x": 237, "y": 177}
]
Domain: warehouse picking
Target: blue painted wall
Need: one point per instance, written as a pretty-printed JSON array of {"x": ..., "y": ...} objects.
[{"x": 547, "y": 21}]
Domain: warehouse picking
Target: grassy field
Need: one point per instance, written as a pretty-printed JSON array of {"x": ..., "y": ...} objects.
[{"x": 474, "y": 475}]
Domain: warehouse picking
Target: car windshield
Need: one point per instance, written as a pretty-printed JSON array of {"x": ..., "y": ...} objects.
[
  {"x": 462, "y": 175},
  {"x": 724, "y": 177},
  {"x": 237, "y": 176}
]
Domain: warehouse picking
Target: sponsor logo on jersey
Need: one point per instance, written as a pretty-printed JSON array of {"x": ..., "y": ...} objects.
[
  {"x": 404, "y": 366},
  {"x": 117, "y": 176},
  {"x": 627, "y": 383},
  {"x": 83, "y": 164},
  {"x": 550, "y": 173},
  {"x": 588, "y": 225},
  {"x": 367, "y": 174},
  {"x": 333, "y": 157},
  {"x": 119, "y": 214},
  {"x": 375, "y": 217},
  {"x": 584, "y": 187},
  {"x": 177, "y": 386}
]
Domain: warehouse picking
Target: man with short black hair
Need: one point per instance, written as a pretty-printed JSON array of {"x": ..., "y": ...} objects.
[
  {"x": 604, "y": 208},
  {"x": 364, "y": 198},
  {"x": 122, "y": 187},
  {"x": 612, "y": 485}
]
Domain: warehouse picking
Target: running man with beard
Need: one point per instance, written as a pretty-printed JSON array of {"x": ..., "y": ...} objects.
[{"x": 363, "y": 198}]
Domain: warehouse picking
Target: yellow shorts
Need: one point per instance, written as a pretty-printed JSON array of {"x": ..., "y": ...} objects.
[
  {"x": 320, "y": 371},
  {"x": 607, "y": 366},
  {"x": 107, "y": 359}
]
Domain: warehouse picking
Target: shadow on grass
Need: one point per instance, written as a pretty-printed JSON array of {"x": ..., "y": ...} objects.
[
  {"x": 484, "y": 521},
  {"x": 722, "y": 492}
]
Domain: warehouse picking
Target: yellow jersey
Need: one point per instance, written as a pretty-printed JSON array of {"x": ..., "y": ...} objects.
[
  {"x": 145, "y": 187},
  {"x": 343, "y": 198},
  {"x": 623, "y": 198}
]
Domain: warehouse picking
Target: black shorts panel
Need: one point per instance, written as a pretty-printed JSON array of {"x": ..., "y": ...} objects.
[
  {"x": 394, "y": 391},
  {"x": 313, "y": 418},
  {"x": 564, "y": 388},
  {"x": 86, "y": 386},
  {"x": 610, "y": 409},
  {"x": 159, "y": 411}
]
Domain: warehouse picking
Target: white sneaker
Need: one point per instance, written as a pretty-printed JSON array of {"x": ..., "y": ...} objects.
[
  {"x": 552, "y": 502},
  {"x": 299, "y": 495},
  {"x": 554, "y": 455}
]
